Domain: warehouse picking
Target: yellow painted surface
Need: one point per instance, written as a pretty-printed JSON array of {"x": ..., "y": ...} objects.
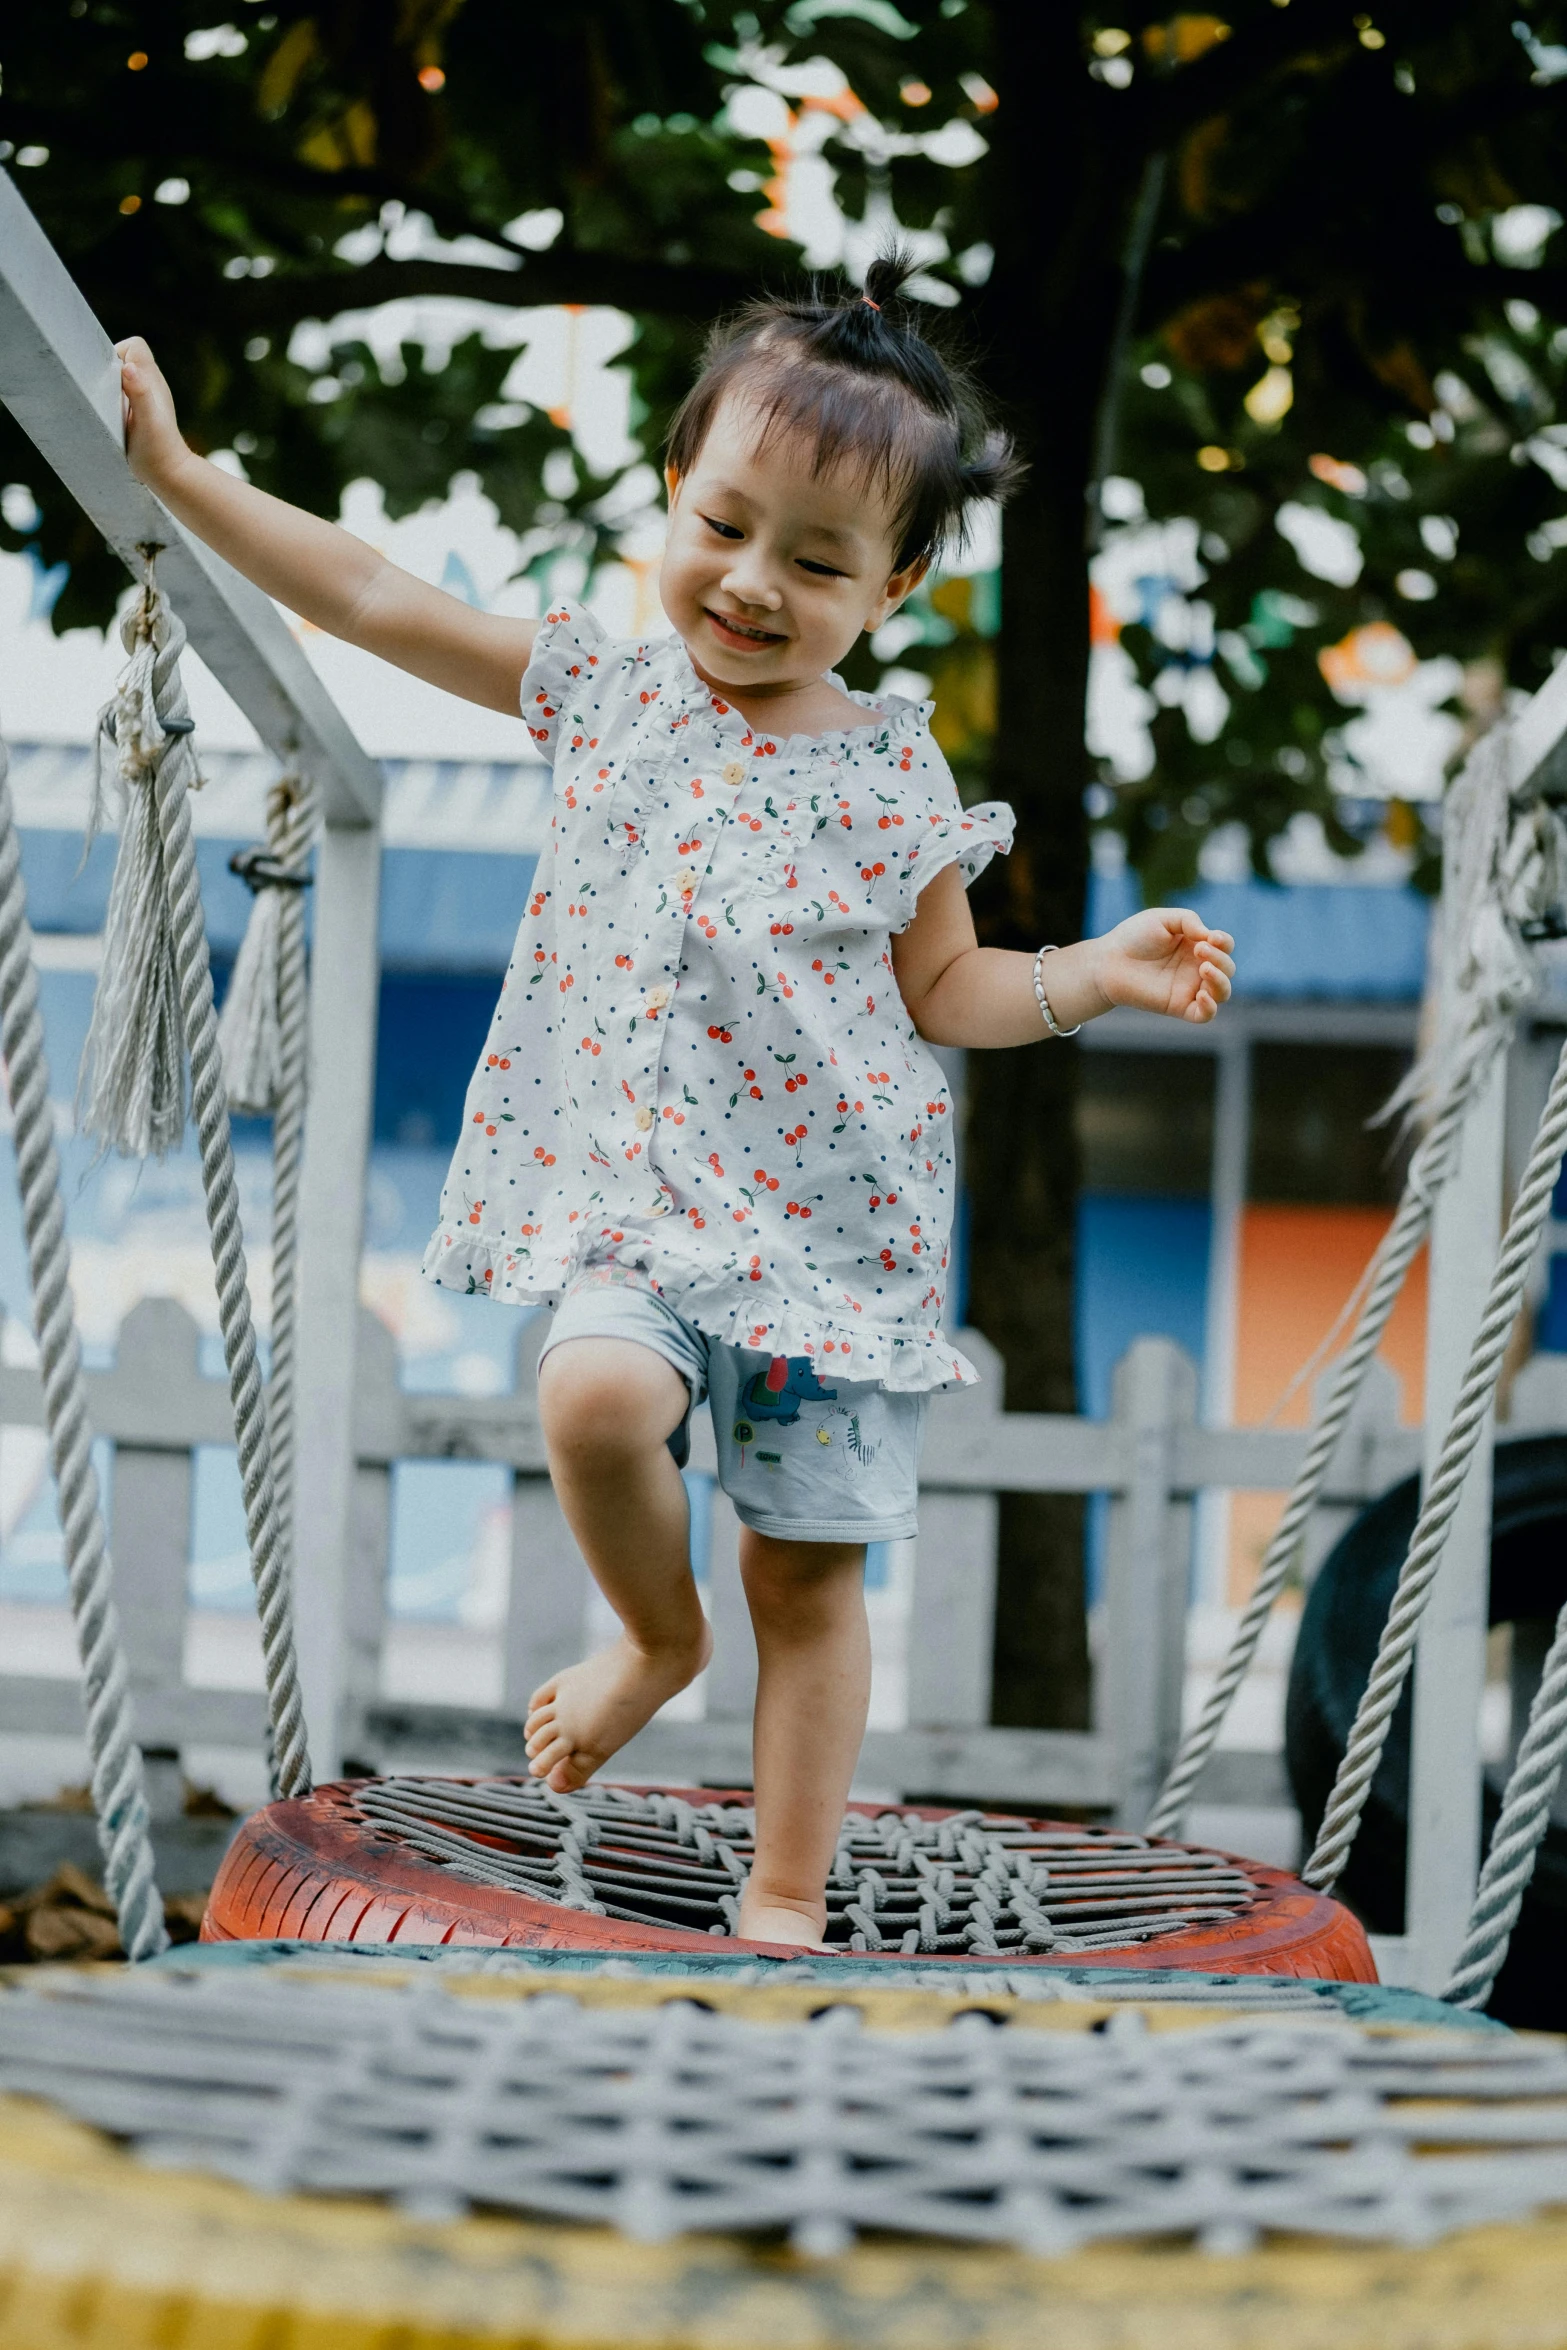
[
  {"x": 796, "y": 2003},
  {"x": 99, "y": 2253}
]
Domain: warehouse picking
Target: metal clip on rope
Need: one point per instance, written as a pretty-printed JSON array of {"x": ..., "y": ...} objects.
[{"x": 260, "y": 869}]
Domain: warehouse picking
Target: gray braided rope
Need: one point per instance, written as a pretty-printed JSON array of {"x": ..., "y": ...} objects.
[
  {"x": 118, "y": 1786},
  {"x": 1525, "y": 1816},
  {"x": 291, "y": 818},
  {"x": 1396, "y": 1251},
  {"x": 175, "y": 770},
  {"x": 1397, "y": 1645}
]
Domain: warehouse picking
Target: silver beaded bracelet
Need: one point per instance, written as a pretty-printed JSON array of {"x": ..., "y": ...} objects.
[{"x": 1043, "y": 1001}]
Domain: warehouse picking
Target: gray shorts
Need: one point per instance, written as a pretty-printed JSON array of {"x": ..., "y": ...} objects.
[{"x": 803, "y": 1458}]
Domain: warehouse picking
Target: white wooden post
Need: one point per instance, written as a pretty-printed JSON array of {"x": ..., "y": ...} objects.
[
  {"x": 952, "y": 1608},
  {"x": 1540, "y": 1397},
  {"x": 1221, "y": 1314},
  {"x": 149, "y": 1530},
  {"x": 548, "y": 1587},
  {"x": 344, "y": 975},
  {"x": 1148, "y": 1571},
  {"x": 731, "y": 1677},
  {"x": 377, "y": 1406},
  {"x": 1449, "y": 1675}
]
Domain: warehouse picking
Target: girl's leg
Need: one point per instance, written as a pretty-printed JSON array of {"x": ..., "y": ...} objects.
[
  {"x": 608, "y": 1407},
  {"x": 813, "y": 1686}
]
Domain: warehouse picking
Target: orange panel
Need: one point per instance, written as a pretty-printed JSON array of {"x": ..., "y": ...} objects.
[{"x": 1298, "y": 1267}]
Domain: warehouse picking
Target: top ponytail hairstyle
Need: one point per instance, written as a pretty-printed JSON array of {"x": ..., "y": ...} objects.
[{"x": 853, "y": 374}]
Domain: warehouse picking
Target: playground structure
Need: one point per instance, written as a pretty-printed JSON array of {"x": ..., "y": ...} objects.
[
  {"x": 318, "y": 1529},
  {"x": 1152, "y": 1457}
]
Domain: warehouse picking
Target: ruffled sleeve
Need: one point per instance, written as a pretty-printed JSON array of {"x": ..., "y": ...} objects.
[
  {"x": 955, "y": 835},
  {"x": 565, "y": 672}
]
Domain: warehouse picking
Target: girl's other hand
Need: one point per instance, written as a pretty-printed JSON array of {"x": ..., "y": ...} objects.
[
  {"x": 1166, "y": 960},
  {"x": 154, "y": 445}
]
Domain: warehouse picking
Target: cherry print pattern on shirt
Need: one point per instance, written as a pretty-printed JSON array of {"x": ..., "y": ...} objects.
[{"x": 700, "y": 1064}]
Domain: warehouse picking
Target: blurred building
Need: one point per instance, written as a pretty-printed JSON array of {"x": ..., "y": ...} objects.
[{"x": 1235, "y": 1180}]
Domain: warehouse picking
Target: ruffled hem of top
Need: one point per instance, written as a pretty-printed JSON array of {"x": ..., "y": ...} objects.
[
  {"x": 901, "y": 1362},
  {"x": 969, "y": 839}
]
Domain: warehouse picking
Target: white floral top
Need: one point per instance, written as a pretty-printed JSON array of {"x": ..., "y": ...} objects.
[{"x": 700, "y": 1063}]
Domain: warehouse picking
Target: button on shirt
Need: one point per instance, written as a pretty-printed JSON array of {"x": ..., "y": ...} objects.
[{"x": 700, "y": 1063}]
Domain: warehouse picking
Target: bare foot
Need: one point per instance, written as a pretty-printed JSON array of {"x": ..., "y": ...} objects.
[
  {"x": 580, "y": 1717},
  {"x": 766, "y": 1918}
]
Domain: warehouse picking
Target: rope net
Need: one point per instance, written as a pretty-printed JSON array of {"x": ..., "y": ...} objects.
[
  {"x": 969, "y": 1883},
  {"x": 660, "y": 2120}
]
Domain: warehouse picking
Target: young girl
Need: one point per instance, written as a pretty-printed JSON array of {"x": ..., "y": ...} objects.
[{"x": 707, "y": 1126}]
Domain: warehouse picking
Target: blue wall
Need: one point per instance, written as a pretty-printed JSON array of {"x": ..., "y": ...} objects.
[
  {"x": 1340, "y": 940},
  {"x": 441, "y": 909},
  {"x": 1551, "y": 1330},
  {"x": 1142, "y": 1267}
]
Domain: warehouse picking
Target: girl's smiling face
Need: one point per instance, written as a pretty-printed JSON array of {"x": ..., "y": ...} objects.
[{"x": 772, "y": 569}]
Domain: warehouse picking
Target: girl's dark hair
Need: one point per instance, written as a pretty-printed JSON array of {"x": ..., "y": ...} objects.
[{"x": 853, "y": 373}]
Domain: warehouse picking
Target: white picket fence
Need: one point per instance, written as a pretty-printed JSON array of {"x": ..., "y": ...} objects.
[{"x": 1150, "y": 1457}]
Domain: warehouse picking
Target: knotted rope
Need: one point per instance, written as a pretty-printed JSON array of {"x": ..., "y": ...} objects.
[
  {"x": 118, "y": 1786},
  {"x": 1465, "y": 1427},
  {"x": 1504, "y": 870},
  {"x": 162, "y": 899}
]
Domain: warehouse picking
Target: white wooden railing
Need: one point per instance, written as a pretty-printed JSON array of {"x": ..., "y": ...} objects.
[
  {"x": 61, "y": 381},
  {"x": 1151, "y": 1458}
]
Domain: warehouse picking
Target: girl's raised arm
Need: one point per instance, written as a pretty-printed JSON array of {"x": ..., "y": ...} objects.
[
  {"x": 323, "y": 573},
  {"x": 1165, "y": 959}
]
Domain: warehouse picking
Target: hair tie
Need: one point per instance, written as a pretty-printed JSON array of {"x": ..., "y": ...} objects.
[{"x": 869, "y": 304}]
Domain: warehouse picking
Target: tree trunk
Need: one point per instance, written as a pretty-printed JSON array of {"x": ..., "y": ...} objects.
[{"x": 1060, "y": 198}]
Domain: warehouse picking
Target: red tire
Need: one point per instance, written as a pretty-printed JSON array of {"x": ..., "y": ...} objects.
[{"x": 313, "y": 1871}]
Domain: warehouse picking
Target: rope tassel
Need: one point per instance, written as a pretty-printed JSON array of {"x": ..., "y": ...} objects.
[
  {"x": 131, "y": 1095},
  {"x": 249, "y": 1037},
  {"x": 251, "y": 1029}
]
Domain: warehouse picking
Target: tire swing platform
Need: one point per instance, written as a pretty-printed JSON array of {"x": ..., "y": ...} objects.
[{"x": 505, "y": 1863}]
